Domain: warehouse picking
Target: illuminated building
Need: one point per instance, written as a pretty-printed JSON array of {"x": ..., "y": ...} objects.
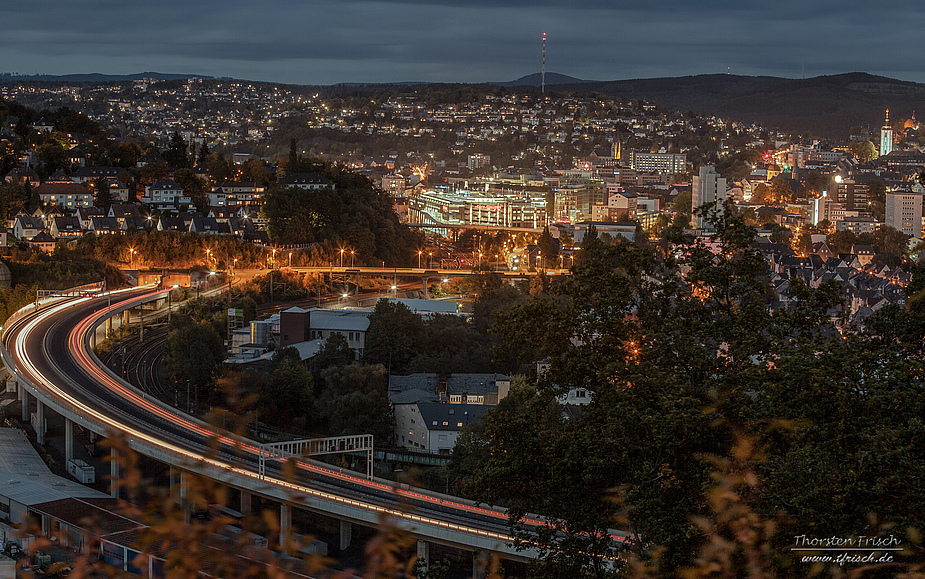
[
  {"x": 708, "y": 187},
  {"x": 886, "y": 136}
]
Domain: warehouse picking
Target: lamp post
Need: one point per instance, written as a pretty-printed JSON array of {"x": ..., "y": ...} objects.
[
  {"x": 430, "y": 259},
  {"x": 290, "y": 259},
  {"x": 274, "y": 259},
  {"x": 419, "y": 259},
  {"x": 352, "y": 254},
  {"x": 342, "y": 257},
  {"x": 131, "y": 252},
  {"x": 234, "y": 266},
  {"x": 209, "y": 253}
]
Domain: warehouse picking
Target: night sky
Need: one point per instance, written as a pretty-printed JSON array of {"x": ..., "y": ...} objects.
[{"x": 331, "y": 41}]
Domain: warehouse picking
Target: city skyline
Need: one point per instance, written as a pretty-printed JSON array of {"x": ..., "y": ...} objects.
[{"x": 328, "y": 42}]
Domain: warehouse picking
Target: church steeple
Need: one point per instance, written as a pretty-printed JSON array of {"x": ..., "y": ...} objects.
[{"x": 886, "y": 136}]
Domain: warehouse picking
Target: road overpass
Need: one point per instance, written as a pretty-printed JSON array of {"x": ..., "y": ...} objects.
[
  {"x": 48, "y": 349},
  {"x": 422, "y": 272}
]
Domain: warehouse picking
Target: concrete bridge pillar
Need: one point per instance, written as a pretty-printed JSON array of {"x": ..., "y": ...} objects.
[
  {"x": 114, "y": 473},
  {"x": 424, "y": 553},
  {"x": 109, "y": 327},
  {"x": 24, "y": 397},
  {"x": 479, "y": 562},
  {"x": 285, "y": 524},
  {"x": 68, "y": 440},
  {"x": 245, "y": 502},
  {"x": 346, "y": 534},
  {"x": 39, "y": 422},
  {"x": 184, "y": 492}
]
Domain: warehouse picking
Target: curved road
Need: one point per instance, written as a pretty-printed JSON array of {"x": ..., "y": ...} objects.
[{"x": 51, "y": 354}]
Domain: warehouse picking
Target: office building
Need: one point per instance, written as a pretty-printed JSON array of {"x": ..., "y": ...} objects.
[
  {"x": 707, "y": 187},
  {"x": 904, "y": 212}
]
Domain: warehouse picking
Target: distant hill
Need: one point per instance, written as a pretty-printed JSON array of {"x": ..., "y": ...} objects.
[
  {"x": 96, "y": 77},
  {"x": 827, "y": 106},
  {"x": 536, "y": 79}
]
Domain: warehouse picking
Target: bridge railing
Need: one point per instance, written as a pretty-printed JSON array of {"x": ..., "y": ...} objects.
[{"x": 318, "y": 446}]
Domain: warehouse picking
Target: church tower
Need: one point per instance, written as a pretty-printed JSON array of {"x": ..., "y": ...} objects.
[{"x": 886, "y": 136}]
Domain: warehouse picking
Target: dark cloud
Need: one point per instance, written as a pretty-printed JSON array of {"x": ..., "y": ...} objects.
[{"x": 327, "y": 41}]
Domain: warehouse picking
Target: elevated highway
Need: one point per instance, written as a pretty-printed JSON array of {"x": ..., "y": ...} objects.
[{"x": 48, "y": 350}]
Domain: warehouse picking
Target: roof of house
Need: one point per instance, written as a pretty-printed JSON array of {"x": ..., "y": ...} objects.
[
  {"x": 412, "y": 396},
  {"x": 442, "y": 416},
  {"x": 29, "y": 222},
  {"x": 456, "y": 383},
  {"x": 62, "y": 188},
  {"x": 165, "y": 184},
  {"x": 304, "y": 179}
]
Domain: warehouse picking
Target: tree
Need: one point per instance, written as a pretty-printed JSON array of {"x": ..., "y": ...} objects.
[
  {"x": 177, "y": 153},
  {"x": 549, "y": 246},
  {"x": 762, "y": 194},
  {"x": 781, "y": 191},
  {"x": 863, "y": 150},
  {"x": 103, "y": 198},
  {"x": 394, "y": 335},
  {"x": 842, "y": 241},
  {"x": 335, "y": 353},
  {"x": 656, "y": 347},
  {"x": 355, "y": 400},
  {"x": 286, "y": 396},
  {"x": 192, "y": 353},
  {"x": 203, "y": 156},
  {"x": 682, "y": 203}
]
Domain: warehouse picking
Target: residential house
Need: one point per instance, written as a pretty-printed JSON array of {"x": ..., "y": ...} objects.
[
  {"x": 27, "y": 227},
  {"x": 301, "y": 325},
  {"x": 306, "y": 181},
  {"x": 85, "y": 213},
  {"x": 105, "y": 225},
  {"x": 43, "y": 126},
  {"x": 22, "y": 175},
  {"x": 66, "y": 228},
  {"x": 165, "y": 195},
  {"x": 167, "y": 223},
  {"x": 865, "y": 253},
  {"x": 231, "y": 193},
  {"x": 122, "y": 211},
  {"x": 91, "y": 174},
  {"x": 208, "y": 226},
  {"x": 44, "y": 242},
  {"x": 70, "y": 196},
  {"x": 434, "y": 426}
]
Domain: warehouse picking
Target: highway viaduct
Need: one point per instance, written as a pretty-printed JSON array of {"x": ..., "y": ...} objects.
[{"x": 47, "y": 347}]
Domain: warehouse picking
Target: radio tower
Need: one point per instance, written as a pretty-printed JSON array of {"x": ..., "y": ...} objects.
[{"x": 543, "y": 75}]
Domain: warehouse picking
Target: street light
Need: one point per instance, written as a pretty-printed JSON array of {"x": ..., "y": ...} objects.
[
  {"x": 430, "y": 259},
  {"x": 342, "y": 257},
  {"x": 352, "y": 254},
  {"x": 274, "y": 259},
  {"x": 419, "y": 259},
  {"x": 290, "y": 259},
  {"x": 131, "y": 252},
  {"x": 234, "y": 266}
]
